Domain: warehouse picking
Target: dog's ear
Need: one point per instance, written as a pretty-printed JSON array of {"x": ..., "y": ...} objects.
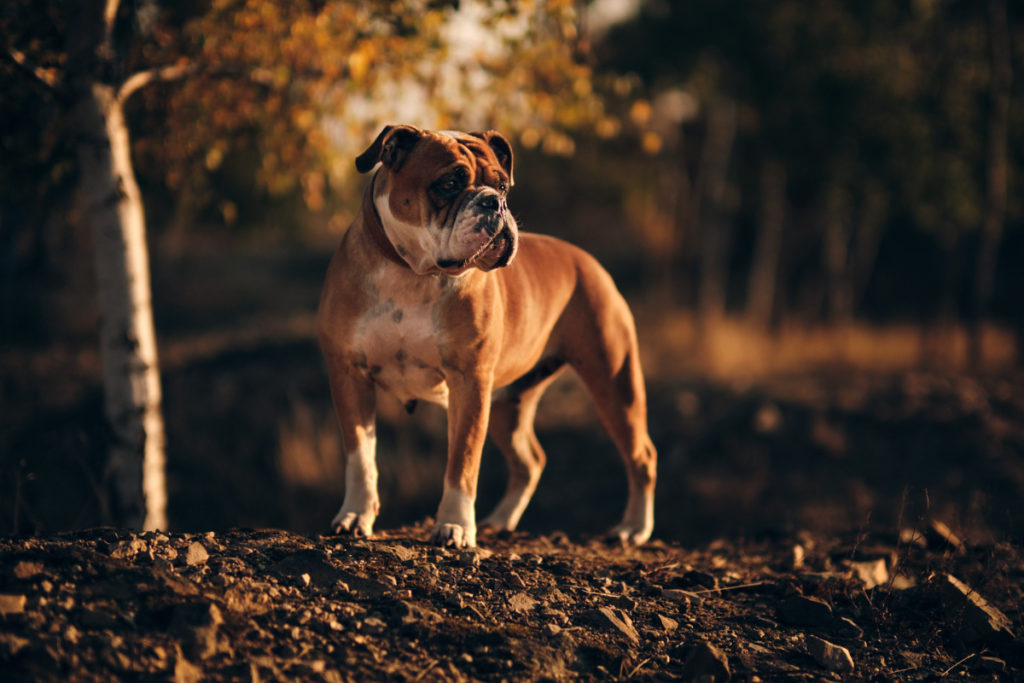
[
  {"x": 502, "y": 149},
  {"x": 390, "y": 148}
]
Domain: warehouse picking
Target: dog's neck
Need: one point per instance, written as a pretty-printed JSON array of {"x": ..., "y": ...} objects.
[{"x": 375, "y": 230}]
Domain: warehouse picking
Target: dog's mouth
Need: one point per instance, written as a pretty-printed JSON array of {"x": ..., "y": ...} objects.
[{"x": 496, "y": 253}]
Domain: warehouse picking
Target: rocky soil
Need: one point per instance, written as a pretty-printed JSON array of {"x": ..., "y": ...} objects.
[{"x": 263, "y": 605}]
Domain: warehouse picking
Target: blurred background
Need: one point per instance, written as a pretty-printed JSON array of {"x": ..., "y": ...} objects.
[{"x": 813, "y": 208}]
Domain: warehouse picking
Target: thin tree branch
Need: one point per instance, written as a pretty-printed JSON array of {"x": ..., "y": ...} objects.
[
  {"x": 109, "y": 19},
  {"x": 139, "y": 80},
  {"x": 48, "y": 78}
]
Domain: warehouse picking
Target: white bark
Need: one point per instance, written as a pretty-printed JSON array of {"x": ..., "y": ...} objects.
[{"x": 111, "y": 204}]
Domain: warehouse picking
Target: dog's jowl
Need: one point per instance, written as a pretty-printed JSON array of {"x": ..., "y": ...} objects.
[{"x": 434, "y": 295}]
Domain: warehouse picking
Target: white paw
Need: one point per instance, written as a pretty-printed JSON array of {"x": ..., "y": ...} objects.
[
  {"x": 353, "y": 523},
  {"x": 453, "y": 536},
  {"x": 629, "y": 533}
]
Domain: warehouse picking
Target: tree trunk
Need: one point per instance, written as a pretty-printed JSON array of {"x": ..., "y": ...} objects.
[
  {"x": 765, "y": 266},
  {"x": 715, "y": 228},
  {"x": 112, "y": 206},
  {"x": 995, "y": 210},
  {"x": 836, "y": 256}
]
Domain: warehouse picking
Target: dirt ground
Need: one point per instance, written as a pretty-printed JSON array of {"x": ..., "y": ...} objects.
[{"x": 272, "y": 605}]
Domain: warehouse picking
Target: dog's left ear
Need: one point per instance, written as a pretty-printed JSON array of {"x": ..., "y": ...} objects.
[
  {"x": 391, "y": 147},
  {"x": 502, "y": 149}
]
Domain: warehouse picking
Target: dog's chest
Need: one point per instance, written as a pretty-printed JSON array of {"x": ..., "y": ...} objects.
[{"x": 399, "y": 337}]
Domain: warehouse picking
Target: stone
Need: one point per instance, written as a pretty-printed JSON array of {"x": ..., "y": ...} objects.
[
  {"x": 706, "y": 663},
  {"x": 12, "y": 604},
  {"x": 196, "y": 554},
  {"x": 668, "y": 625},
  {"x": 799, "y": 610},
  {"x": 978, "y": 620},
  {"x": 829, "y": 655},
  {"x": 197, "y": 624},
  {"x": 872, "y": 573},
  {"x": 685, "y": 599},
  {"x": 521, "y": 602}
]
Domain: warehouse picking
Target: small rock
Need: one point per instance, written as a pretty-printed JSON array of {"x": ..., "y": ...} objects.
[
  {"x": 979, "y": 621},
  {"x": 196, "y": 624},
  {"x": 521, "y": 602},
  {"x": 828, "y": 655},
  {"x": 400, "y": 552},
  {"x": 871, "y": 573},
  {"x": 12, "y": 604},
  {"x": 706, "y": 663},
  {"x": 26, "y": 570},
  {"x": 667, "y": 624},
  {"x": 552, "y": 629},
  {"x": 800, "y": 610},
  {"x": 515, "y": 581},
  {"x": 469, "y": 559},
  {"x": 196, "y": 554},
  {"x": 685, "y": 599}
]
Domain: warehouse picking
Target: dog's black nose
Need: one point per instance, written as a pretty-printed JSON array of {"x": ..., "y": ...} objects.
[{"x": 490, "y": 203}]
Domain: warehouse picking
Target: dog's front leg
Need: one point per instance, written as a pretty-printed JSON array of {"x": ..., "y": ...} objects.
[
  {"x": 469, "y": 405},
  {"x": 354, "y": 404}
]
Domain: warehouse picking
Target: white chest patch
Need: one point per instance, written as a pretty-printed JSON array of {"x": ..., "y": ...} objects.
[{"x": 399, "y": 338}]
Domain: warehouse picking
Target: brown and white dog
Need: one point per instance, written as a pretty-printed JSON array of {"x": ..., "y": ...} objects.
[{"x": 434, "y": 295}]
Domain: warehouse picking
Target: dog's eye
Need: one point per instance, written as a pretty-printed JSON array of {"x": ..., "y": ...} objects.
[
  {"x": 449, "y": 186},
  {"x": 502, "y": 186}
]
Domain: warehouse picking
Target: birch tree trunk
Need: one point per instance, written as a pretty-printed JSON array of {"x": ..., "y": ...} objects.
[{"x": 111, "y": 205}]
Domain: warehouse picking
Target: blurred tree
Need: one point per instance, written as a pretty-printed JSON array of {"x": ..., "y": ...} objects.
[
  {"x": 294, "y": 88},
  {"x": 996, "y": 174},
  {"x": 860, "y": 126},
  {"x": 292, "y": 102}
]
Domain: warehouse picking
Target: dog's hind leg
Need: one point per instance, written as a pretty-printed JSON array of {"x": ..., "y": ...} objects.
[
  {"x": 511, "y": 428},
  {"x": 610, "y": 368}
]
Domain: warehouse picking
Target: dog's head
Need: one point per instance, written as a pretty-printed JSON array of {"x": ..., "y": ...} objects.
[{"x": 441, "y": 197}]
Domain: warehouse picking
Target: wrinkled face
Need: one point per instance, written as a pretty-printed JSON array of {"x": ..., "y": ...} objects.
[{"x": 443, "y": 206}]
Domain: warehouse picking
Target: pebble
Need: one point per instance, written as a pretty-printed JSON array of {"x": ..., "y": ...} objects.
[
  {"x": 978, "y": 620},
  {"x": 12, "y": 604},
  {"x": 871, "y": 573},
  {"x": 196, "y": 554},
  {"x": 829, "y": 655}
]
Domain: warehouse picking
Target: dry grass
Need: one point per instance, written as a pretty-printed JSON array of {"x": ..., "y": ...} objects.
[{"x": 676, "y": 343}]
